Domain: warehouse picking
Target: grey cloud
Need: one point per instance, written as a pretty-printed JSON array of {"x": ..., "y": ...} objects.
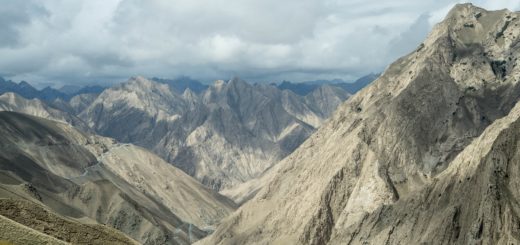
[
  {"x": 257, "y": 21},
  {"x": 109, "y": 40},
  {"x": 410, "y": 38},
  {"x": 13, "y": 15}
]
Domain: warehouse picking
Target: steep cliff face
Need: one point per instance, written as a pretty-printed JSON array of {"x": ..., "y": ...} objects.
[
  {"x": 93, "y": 179},
  {"x": 475, "y": 200},
  {"x": 395, "y": 145},
  {"x": 225, "y": 135}
]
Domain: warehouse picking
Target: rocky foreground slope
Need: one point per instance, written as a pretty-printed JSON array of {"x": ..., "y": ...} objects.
[
  {"x": 26, "y": 222},
  {"x": 428, "y": 153},
  {"x": 91, "y": 179},
  {"x": 224, "y": 135}
]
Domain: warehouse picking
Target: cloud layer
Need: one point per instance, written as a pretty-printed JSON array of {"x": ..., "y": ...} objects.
[{"x": 80, "y": 41}]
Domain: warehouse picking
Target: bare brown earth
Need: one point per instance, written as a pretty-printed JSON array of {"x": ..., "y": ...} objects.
[
  {"x": 41, "y": 219},
  {"x": 13, "y": 233}
]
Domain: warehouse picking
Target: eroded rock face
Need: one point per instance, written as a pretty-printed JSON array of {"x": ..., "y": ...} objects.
[
  {"x": 393, "y": 160},
  {"x": 473, "y": 201},
  {"x": 225, "y": 135}
]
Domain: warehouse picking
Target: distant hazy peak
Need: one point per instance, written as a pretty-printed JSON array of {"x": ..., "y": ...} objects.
[
  {"x": 219, "y": 84},
  {"x": 188, "y": 93},
  {"x": 140, "y": 80},
  {"x": 235, "y": 80},
  {"x": 190, "y": 96},
  {"x": 25, "y": 84},
  {"x": 180, "y": 84}
]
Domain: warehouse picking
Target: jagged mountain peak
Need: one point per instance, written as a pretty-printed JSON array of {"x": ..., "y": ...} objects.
[
  {"x": 140, "y": 90},
  {"x": 139, "y": 78},
  {"x": 471, "y": 30},
  {"x": 237, "y": 81},
  {"x": 218, "y": 85},
  {"x": 144, "y": 83},
  {"x": 47, "y": 94},
  {"x": 452, "y": 64},
  {"x": 234, "y": 84},
  {"x": 189, "y": 94},
  {"x": 470, "y": 11},
  {"x": 25, "y": 84},
  {"x": 470, "y": 47}
]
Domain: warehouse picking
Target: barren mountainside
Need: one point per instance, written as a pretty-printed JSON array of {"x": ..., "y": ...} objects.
[
  {"x": 428, "y": 153},
  {"x": 227, "y": 134},
  {"x": 92, "y": 179}
]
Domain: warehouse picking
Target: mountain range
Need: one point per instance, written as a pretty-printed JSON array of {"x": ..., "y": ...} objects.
[
  {"x": 49, "y": 94},
  {"x": 223, "y": 136},
  {"x": 426, "y": 154},
  {"x": 304, "y": 88}
]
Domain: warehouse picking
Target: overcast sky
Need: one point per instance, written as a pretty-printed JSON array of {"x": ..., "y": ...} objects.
[{"x": 103, "y": 41}]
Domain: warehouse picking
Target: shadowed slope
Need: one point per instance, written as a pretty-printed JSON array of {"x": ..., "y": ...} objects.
[{"x": 65, "y": 169}]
